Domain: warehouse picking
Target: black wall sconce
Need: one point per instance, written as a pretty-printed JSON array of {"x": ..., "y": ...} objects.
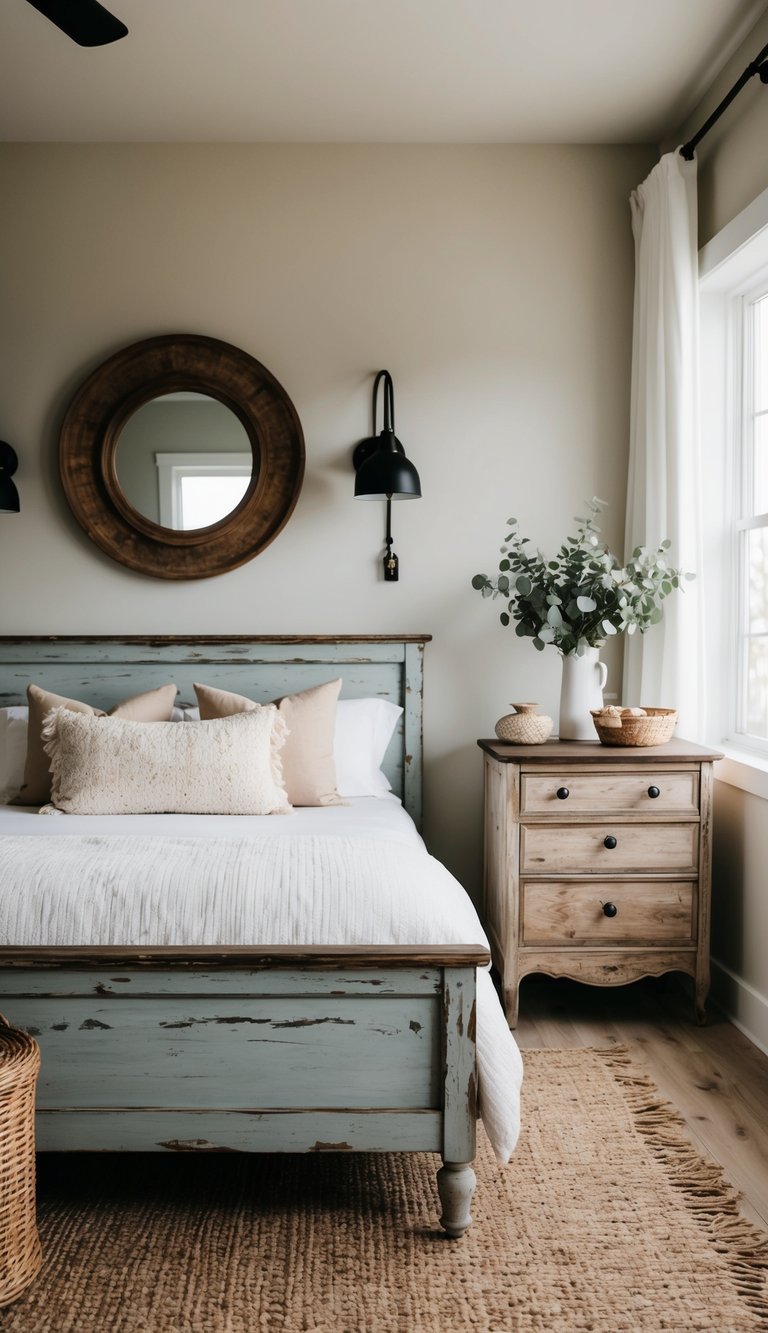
[
  {"x": 383, "y": 471},
  {"x": 9, "y": 496}
]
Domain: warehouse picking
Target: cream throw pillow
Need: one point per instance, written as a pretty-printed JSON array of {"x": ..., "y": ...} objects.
[
  {"x": 108, "y": 766},
  {"x": 154, "y": 706},
  {"x": 309, "y": 769}
]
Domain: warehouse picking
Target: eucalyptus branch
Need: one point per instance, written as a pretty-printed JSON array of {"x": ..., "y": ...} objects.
[{"x": 583, "y": 595}]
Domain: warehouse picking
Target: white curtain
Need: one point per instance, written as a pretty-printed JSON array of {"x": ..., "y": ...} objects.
[{"x": 664, "y": 666}]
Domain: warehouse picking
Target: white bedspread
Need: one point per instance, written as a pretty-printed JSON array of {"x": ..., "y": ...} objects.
[{"x": 102, "y": 889}]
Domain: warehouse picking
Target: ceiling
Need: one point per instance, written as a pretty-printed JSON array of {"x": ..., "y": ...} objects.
[{"x": 366, "y": 71}]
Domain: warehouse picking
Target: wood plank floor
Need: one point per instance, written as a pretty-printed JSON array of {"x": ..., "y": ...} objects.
[{"x": 714, "y": 1076}]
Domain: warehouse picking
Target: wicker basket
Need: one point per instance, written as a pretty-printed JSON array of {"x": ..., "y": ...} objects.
[
  {"x": 655, "y": 728},
  {"x": 20, "y": 1254}
]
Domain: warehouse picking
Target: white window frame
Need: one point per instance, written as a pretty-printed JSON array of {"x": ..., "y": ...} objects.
[
  {"x": 733, "y": 266},
  {"x": 172, "y": 468}
]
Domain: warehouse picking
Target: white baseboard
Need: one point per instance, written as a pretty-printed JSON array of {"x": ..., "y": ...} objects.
[{"x": 741, "y": 1003}]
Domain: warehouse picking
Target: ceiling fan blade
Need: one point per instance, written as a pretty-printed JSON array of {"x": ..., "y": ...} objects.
[{"x": 85, "y": 21}]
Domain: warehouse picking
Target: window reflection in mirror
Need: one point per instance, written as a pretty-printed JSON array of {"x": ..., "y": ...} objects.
[{"x": 184, "y": 460}]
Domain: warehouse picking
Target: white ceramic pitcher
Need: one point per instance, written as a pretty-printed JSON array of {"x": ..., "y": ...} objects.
[{"x": 584, "y": 678}]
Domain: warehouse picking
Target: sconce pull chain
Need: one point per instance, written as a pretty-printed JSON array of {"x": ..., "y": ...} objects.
[{"x": 391, "y": 562}]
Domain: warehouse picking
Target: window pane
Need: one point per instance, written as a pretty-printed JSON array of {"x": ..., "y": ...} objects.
[
  {"x": 757, "y": 688},
  {"x": 205, "y": 500},
  {"x": 757, "y": 574},
  {"x": 760, "y": 466},
  {"x": 756, "y": 719},
  {"x": 761, "y": 354}
]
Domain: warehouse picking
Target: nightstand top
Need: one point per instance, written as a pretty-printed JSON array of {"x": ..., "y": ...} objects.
[{"x": 593, "y": 752}]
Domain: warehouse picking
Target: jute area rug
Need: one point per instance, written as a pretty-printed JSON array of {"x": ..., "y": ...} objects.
[{"x": 606, "y": 1220}]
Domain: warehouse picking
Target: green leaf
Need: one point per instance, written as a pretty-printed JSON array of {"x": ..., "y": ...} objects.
[
  {"x": 504, "y": 618},
  {"x": 537, "y": 643},
  {"x": 503, "y": 584},
  {"x": 504, "y": 564},
  {"x": 479, "y": 581},
  {"x": 523, "y": 585}
]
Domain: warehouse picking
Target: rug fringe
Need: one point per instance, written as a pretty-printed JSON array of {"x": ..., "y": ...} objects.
[{"x": 707, "y": 1194}]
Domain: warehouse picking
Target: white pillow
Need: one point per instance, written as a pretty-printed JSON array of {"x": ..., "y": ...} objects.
[
  {"x": 364, "y": 729},
  {"x": 13, "y": 749},
  {"x": 112, "y": 766}
]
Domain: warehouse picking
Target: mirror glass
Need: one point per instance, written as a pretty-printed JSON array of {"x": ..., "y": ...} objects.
[{"x": 184, "y": 460}]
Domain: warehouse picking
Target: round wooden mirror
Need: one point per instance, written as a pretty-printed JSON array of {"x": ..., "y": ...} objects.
[{"x": 181, "y": 457}]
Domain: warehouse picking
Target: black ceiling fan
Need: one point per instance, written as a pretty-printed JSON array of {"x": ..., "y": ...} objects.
[{"x": 85, "y": 21}]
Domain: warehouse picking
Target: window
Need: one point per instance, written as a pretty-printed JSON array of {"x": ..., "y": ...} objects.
[
  {"x": 733, "y": 627},
  {"x": 751, "y": 523},
  {"x": 198, "y": 489}
]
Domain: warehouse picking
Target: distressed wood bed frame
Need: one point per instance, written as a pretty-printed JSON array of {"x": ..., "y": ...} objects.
[{"x": 245, "y": 1049}]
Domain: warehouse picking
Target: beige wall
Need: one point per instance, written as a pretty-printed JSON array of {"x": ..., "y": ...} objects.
[
  {"x": 733, "y": 157},
  {"x": 495, "y": 283}
]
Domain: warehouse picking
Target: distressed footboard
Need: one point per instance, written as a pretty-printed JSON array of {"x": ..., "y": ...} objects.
[{"x": 237, "y": 1050}]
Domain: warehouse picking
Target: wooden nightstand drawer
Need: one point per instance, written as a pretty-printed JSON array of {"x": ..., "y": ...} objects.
[
  {"x": 570, "y": 912},
  {"x": 609, "y": 848},
  {"x": 649, "y": 793}
]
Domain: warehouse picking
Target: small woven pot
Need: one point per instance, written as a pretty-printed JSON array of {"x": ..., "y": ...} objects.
[
  {"x": 20, "y": 1255},
  {"x": 655, "y": 728},
  {"x": 525, "y": 726}
]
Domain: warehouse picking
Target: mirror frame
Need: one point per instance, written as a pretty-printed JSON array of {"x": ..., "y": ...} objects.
[{"x": 127, "y": 381}]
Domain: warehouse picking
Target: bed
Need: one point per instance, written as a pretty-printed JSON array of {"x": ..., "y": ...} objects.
[{"x": 340, "y": 1001}]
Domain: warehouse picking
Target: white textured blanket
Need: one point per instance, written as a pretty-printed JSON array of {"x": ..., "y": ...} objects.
[{"x": 290, "y": 890}]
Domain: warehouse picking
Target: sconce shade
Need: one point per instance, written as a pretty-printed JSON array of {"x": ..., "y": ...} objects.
[
  {"x": 9, "y": 496},
  {"x": 384, "y": 471}
]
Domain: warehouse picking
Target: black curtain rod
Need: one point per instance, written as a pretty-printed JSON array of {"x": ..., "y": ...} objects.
[{"x": 758, "y": 66}]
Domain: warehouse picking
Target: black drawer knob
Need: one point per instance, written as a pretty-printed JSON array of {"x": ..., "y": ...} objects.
[
  {"x": 653, "y": 792},
  {"x": 610, "y": 909},
  {"x": 562, "y": 793},
  {"x": 609, "y": 842}
]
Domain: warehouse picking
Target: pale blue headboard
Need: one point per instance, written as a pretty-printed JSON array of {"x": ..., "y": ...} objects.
[{"x": 101, "y": 671}]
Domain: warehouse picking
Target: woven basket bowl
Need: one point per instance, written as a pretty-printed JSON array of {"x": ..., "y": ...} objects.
[
  {"x": 655, "y": 728},
  {"x": 20, "y": 1255},
  {"x": 525, "y": 726}
]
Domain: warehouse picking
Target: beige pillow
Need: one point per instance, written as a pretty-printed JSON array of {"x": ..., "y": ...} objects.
[
  {"x": 154, "y": 706},
  {"x": 309, "y": 769},
  {"x": 108, "y": 766}
]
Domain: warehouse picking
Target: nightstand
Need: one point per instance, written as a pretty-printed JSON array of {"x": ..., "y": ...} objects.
[{"x": 597, "y": 862}]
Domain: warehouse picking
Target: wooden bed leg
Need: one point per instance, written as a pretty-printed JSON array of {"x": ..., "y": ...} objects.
[{"x": 456, "y": 1184}]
